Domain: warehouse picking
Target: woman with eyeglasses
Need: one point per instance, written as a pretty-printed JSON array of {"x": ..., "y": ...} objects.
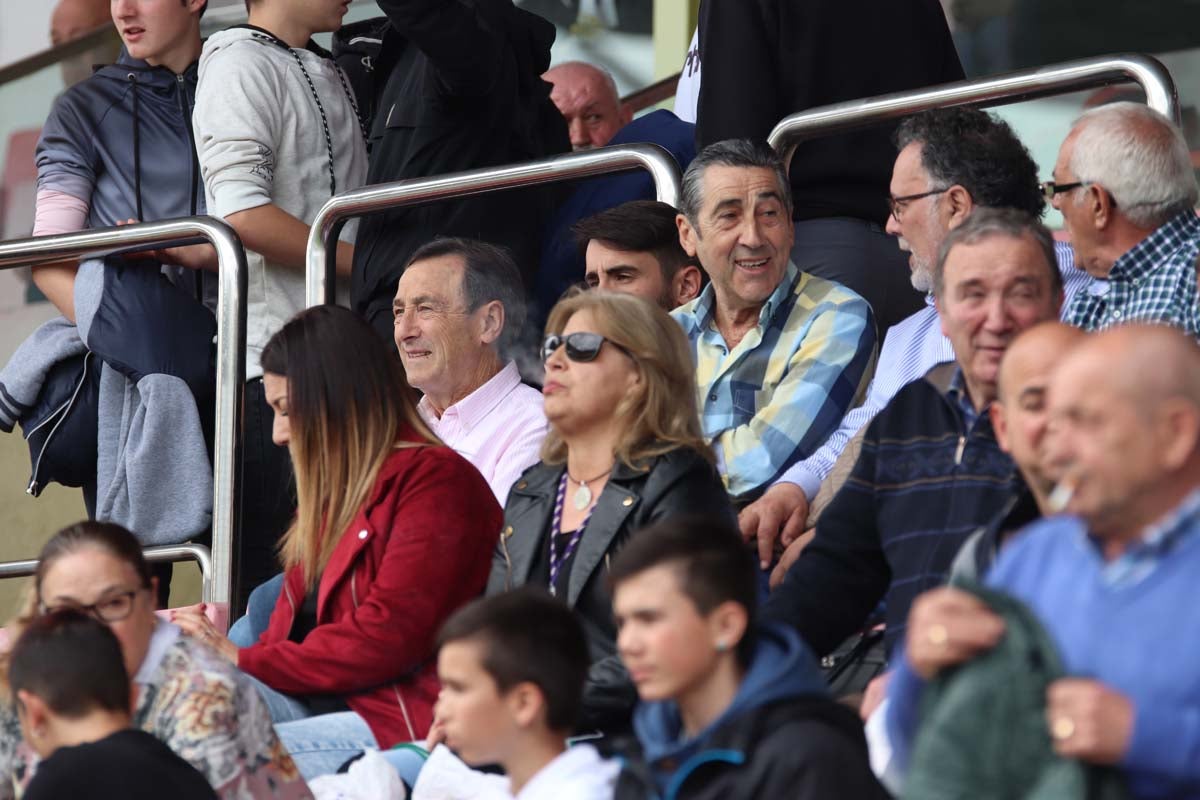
[
  {"x": 624, "y": 450},
  {"x": 186, "y": 695},
  {"x": 393, "y": 532}
]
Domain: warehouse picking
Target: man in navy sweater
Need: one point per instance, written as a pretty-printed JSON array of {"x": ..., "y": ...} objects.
[
  {"x": 1113, "y": 582},
  {"x": 930, "y": 471}
]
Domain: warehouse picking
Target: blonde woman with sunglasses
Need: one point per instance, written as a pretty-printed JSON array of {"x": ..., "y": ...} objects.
[{"x": 624, "y": 450}]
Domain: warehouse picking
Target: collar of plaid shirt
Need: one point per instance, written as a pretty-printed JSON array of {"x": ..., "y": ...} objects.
[
  {"x": 1148, "y": 254},
  {"x": 704, "y": 311}
]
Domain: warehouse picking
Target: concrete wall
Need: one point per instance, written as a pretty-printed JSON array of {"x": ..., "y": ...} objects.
[{"x": 24, "y": 28}]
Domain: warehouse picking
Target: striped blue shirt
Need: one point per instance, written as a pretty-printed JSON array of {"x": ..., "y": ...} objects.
[
  {"x": 777, "y": 395},
  {"x": 912, "y": 348}
]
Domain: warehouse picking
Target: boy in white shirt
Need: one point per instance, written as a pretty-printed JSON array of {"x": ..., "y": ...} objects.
[{"x": 512, "y": 669}]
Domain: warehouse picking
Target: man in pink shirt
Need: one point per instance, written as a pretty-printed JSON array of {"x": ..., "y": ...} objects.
[{"x": 458, "y": 308}]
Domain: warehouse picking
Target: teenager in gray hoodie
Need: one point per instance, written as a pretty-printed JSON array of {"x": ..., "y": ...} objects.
[{"x": 277, "y": 134}]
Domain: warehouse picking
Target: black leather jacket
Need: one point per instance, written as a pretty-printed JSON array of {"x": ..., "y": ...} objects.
[{"x": 679, "y": 482}]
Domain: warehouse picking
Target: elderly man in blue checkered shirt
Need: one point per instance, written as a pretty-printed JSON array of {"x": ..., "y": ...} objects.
[
  {"x": 780, "y": 354},
  {"x": 1124, "y": 184}
]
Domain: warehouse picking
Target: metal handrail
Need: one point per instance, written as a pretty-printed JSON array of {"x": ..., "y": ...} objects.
[
  {"x": 166, "y": 553},
  {"x": 231, "y": 345},
  {"x": 1012, "y": 87},
  {"x": 100, "y": 35},
  {"x": 652, "y": 95},
  {"x": 319, "y": 274}
]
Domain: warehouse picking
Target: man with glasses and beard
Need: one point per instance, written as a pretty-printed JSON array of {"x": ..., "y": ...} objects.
[{"x": 952, "y": 161}]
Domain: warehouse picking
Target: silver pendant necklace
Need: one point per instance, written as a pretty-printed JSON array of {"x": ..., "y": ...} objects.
[{"x": 582, "y": 497}]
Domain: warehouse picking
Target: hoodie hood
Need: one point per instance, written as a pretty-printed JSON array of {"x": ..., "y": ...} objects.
[
  {"x": 229, "y": 37},
  {"x": 158, "y": 79},
  {"x": 782, "y": 668},
  {"x": 155, "y": 94}
]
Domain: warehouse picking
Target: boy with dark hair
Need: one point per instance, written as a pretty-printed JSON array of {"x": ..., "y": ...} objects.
[
  {"x": 72, "y": 696},
  {"x": 730, "y": 709},
  {"x": 634, "y": 248},
  {"x": 512, "y": 669}
]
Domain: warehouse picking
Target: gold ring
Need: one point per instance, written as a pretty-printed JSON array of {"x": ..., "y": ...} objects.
[
  {"x": 1062, "y": 729},
  {"x": 937, "y": 635}
]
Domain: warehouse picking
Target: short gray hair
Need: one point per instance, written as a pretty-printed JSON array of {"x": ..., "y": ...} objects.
[
  {"x": 1140, "y": 157},
  {"x": 747, "y": 153},
  {"x": 489, "y": 274},
  {"x": 986, "y": 223}
]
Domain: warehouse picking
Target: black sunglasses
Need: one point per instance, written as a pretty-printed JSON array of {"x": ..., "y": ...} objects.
[{"x": 581, "y": 347}]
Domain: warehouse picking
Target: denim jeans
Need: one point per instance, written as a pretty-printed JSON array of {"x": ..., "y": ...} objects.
[
  {"x": 248, "y": 628},
  {"x": 862, "y": 257},
  {"x": 319, "y": 743}
]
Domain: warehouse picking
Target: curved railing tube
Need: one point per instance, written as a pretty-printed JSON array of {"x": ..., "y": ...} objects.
[
  {"x": 231, "y": 346},
  {"x": 319, "y": 276},
  {"x": 996, "y": 90},
  {"x": 155, "y": 555}
]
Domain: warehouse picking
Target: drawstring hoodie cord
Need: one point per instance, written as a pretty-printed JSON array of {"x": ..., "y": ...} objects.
[
  {"x": 312, "y": 88},
  {"x": 137, "y": 146},
  {"x": 362, "y": 128},
  {"x": 324, "y": 119}
]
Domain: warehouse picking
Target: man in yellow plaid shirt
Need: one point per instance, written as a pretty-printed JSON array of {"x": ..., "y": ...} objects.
[{"x": 780, "y": 354}]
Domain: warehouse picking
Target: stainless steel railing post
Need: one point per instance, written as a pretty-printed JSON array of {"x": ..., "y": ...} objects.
[
  {"x": 231, "y": 348},
  {"x": 319, "y": 274},
  {"x": 1012, "y": 87},
  {"x": 155, "y": 555}
]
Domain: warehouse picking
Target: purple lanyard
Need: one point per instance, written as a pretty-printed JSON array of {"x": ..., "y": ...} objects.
[{"x": 556, "y": 560}]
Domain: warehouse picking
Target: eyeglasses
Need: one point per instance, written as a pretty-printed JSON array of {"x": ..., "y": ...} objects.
[
  {"x": 113, "y": 608},
  {"x": 581, "y": 347},
  {"x": 1051, "y": 188},
  {"x": 898, "y": 204}
]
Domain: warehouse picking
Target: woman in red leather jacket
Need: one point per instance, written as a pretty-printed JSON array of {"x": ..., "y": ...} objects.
[{"x": 393, "y": 532}]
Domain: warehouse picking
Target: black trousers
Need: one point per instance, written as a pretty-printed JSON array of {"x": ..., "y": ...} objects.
[
  {"x": 268, "y": 498},
  {"x": 863, "y": 257}
]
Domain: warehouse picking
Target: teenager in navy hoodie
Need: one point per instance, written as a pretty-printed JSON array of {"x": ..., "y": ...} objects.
[
  {"x": 116, "y": 395},
  {"x": 729, "y": 708}
]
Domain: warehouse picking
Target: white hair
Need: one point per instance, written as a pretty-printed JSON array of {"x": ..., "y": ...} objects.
[{"x": 1141, "y": 159}]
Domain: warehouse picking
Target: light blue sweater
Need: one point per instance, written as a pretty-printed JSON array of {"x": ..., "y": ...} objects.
[{"x": 1133, "y": 624}]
